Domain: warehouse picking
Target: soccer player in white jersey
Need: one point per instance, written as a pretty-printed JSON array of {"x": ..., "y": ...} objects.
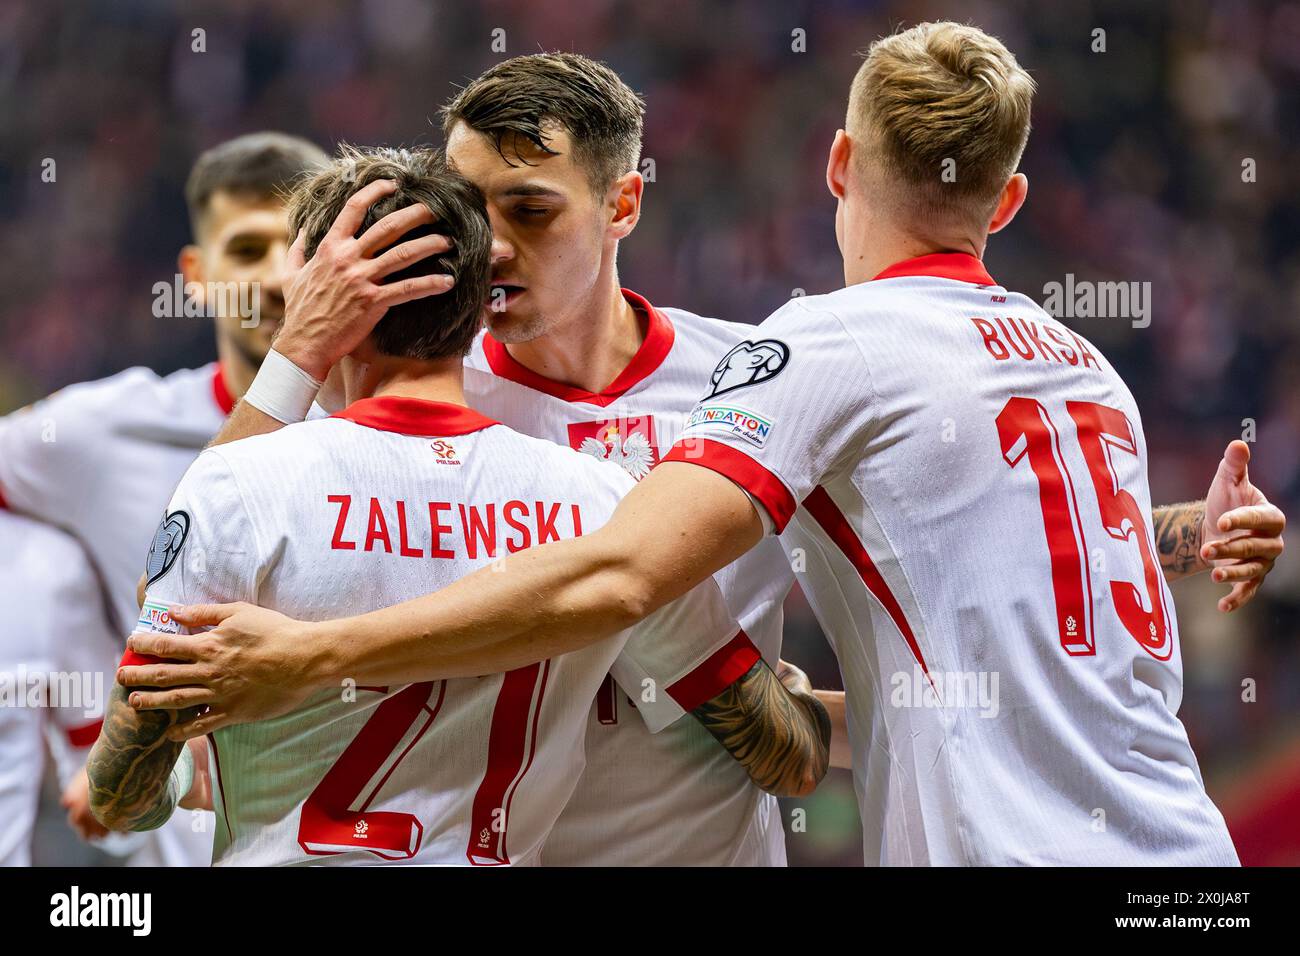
[
  {"x": 572, "y": 358},
  {"x": 405, "y": 486},
  {"x": 938, "y": 562},
  {"x": 101, "y": 459},
  {"x": 568, "y": 356},
  {"x": 58, "y": 656}
]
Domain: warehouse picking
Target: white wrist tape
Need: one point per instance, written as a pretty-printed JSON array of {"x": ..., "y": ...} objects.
[
  {"x": 182, "y": 776},
  {"x": 282, "y": 390}
]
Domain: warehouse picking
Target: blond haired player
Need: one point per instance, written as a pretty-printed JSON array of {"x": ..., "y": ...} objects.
[
  {"x": 405, "y": 486},
  {"x": 824, "y": 426}
]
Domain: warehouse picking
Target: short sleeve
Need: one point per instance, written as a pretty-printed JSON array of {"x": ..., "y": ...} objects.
[
  {"x": 784, "y": 407},
  {"x": 683, "y": 655},
  {"x": 205, "y": 550},
  {"x": 47, "y": 460}
]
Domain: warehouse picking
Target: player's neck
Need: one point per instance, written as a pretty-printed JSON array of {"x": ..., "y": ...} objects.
[
  {"x": 875, "y": 246},
  {"x": 237, "y": 371},
  {"x": 440, "y": 380},
  {"x": 593, "y": 347}
]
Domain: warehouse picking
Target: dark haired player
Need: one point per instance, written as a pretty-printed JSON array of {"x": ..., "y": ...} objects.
[
  {"x": 702, "y": 523},
  {"x": 100, "y": 459},
  {"x": 404, "y": 488}
]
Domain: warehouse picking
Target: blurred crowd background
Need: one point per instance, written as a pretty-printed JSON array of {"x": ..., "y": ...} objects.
[{"x": 1135, "y": 163}]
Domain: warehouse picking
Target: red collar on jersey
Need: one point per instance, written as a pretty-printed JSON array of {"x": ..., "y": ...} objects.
[
  {"x": 220, "y": 391},
  {"x": 415, "y": 416},
  {"x": 658, "y": 342},
  {"x": 961, "y": 266}
]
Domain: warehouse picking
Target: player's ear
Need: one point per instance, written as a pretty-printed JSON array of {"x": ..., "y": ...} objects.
[
  {"x": 1009, "y": 203},
  {"x": 624, "y": 197},
  {"x": 190, "y": 265},
  {"x": 837, "y": 164}
]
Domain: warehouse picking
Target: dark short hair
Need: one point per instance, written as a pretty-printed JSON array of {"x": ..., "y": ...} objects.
[
  {"x": 522, "y": 95},
  {"x": 258, "y": 165},
  {"x": 432, "y": 327}
]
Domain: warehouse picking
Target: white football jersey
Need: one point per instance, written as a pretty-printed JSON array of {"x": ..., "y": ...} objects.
[
  {"x": 100, "y": 460},
  {"x": 389, "y": 500},
  {"x": 967, "y": 481},
  {"x": 57, "y": 662},
  {"x": 675, "y": 798}
]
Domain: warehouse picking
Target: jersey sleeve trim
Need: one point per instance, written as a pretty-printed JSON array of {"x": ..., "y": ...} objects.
[
  {"x": 85, "y": 735},
  {"x": 716, "y": 673},
  {"x": 744, "y": 471},
  {"x": 132, "y": 659}
]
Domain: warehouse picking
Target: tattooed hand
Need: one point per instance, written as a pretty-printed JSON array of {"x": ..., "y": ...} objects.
[
  {"x": 131, "y": 763},
  {"x": 775, "y": 728},
  {"x": 1236, "y": 530},
  {"x": 1178, "y": 531}
]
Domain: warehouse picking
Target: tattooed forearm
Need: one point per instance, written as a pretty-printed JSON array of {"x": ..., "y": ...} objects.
[
  {"x": 781, "y": 738},
  {"x": 1178, "y": 538},
  {"x": 131, "y": 763}
]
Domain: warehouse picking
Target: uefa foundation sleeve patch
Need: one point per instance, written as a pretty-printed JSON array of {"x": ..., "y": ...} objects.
[
  {"x": 716, "y": 418},
  {"x": 155, "y": 617}
]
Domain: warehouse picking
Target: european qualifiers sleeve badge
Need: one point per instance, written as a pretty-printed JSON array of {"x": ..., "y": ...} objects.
[
  {"x": 166, "y": 546},
  {"x": 748, "y": 364}
]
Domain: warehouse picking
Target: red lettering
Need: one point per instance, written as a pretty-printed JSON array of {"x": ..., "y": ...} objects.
[
  {"x": 1027, "y": 353},
  {"x": 337, "y": 543},
  {"x": 991, "y": 339},
  {"x": 403, "y": 542},
  {"x": 378, "y": 529},
  {"x": 474, "y": 528},
  {"x": 1043, "y": 348},
  {"x": 1071, "y": 356},
  {"x": 436, "y": 549},
  {"x": 525, "y": 536},
  {"x": 1083, "y": 351},
  {"x": 577, "y": 521},
  {"x": 546, "y": 526}
]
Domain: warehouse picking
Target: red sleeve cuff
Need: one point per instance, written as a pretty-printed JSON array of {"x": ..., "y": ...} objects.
[
  {"x": 722, "y": 669},
  {"x": 86, "y": 735},
  {"x": 132, "y": 659},
  {"x": 744, "y": 471}
]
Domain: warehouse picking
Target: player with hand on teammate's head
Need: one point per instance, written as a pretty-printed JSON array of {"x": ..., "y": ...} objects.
[
  {"x": 553, "y": 141},
  {"x": 405, "y": 486},
  {"x": 837, "y": 440}
]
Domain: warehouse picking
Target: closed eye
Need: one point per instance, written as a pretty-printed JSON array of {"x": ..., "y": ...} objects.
[{"x": 247, "y": 250}]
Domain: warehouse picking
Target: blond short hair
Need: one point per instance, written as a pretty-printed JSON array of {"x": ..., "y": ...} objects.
[{"x": 942, "y": 110}]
